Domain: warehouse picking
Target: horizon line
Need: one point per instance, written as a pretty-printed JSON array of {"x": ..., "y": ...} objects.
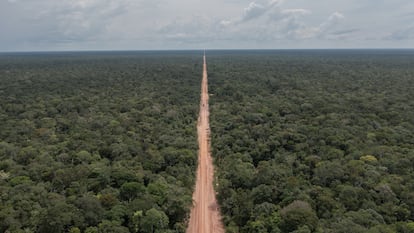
[{"x": 188, "y": 50}]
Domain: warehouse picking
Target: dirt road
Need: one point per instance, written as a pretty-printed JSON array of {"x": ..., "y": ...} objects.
[{"x": 205, "y": 215}]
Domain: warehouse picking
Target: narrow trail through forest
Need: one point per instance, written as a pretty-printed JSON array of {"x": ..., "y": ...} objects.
[{"x": 205, "y": 215}]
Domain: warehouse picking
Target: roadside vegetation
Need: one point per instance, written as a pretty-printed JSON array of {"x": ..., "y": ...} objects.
[
  {"x": 97, "y": 142},
  {"x": 314, "y": 141}
]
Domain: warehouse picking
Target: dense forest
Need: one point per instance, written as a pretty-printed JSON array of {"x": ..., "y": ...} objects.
[
  {"x": 314, "y": 141},
  {"x": 303, "y": 141},
  {"x": 97, "y": 142}
]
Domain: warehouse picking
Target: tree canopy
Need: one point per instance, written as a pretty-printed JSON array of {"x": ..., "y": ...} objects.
[
  {"x": 314, "y": 141},
  {"x": 97, "y": 142}
]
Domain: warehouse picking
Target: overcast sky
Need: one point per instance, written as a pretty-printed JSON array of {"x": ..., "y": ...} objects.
[{"x": 37, "y": 25}]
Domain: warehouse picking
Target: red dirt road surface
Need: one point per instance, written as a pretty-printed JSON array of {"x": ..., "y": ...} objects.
[{"x": 205, "y": 215}]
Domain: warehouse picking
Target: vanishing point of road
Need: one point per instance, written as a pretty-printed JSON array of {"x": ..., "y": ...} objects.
[{"x": 205, "y": 214}]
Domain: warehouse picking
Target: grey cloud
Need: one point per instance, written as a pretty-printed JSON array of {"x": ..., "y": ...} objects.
[
  {"x": 86, "y": 19},
  {"x": 333, "y": 20},
  {"x": 258, "y": 22},
  {"x": 323, "y": 30},
  {"x": 46, "y": 22},
  {"x": 290, "y": 23},
  {"x": 190, "y": 30},
  {"x": 275, "y": 22},
  {"x": 402, "y": 34},
  {"x": 254, "y": 10},
  {"x": 296, "y": 12},
  {"x": 346, "y": 31},
  {"x": 109, "y": 24}
]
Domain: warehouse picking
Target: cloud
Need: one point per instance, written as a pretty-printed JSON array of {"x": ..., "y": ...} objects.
[
  {"x": 401, "y": 34},
  {"x": 333, "y": 20},
  {"x": 296, "y": 12},
  {"x": 83, "y": 19},
  {"x": 259, "y": 22},
  {"x": 254, "y": 10},
  {"x": 290, "y": 23},
  {"x": 190, "y": 30},
  {"x": 273, "y": 22},
  {"x": 346, "y": 31},
  {"x": 298, "y": 29},
  {"x": 187, "y": 24},
  {"x": 68, "y": 21}
]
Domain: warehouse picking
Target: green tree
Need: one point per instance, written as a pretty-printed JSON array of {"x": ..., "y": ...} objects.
[
  {"x": 154, "y": 221},
  {"x": 130, "y": 190},
  {"x": 111, "y": 227},
  {"x": 91, "y": 230},
  {"x": 90, "y": 208},
  {"x": 296, "y": 215}
]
